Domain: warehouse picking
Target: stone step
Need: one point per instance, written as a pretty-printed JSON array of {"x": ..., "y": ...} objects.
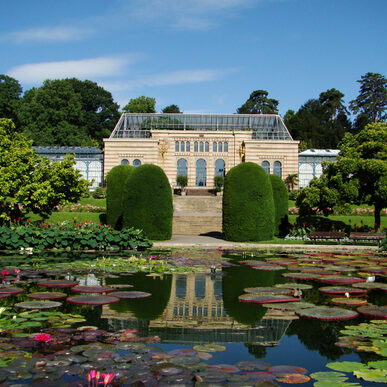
[
  {"x": 197, "y": 204},
  {"x": 199, "y": 192},
  {"x": 197, "y": 225}
]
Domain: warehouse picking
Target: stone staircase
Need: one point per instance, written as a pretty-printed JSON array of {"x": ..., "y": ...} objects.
[{"x": 197, "y": 215}]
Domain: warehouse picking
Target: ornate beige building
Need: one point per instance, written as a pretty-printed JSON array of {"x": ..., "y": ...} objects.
[{"x": 202, "y": 146}]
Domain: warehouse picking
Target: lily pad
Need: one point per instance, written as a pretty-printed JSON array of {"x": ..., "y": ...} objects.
[
  {"x": 252, "y": 365},
  {"x": 92, "y": 300},
  {"x": 209, "y": 348},
  {"x": 58, "y": 283},
  {"x": 292, "y": 378},
  {"x": 341, "y": 290},
  {"x": 252, "y": 298},
  {"x": 270, "y": 290},
  {"x": 327, "y": 313},
  {"x": 373, "y": 311},
  {"x": 340, "y": 280},
  {"x": 130, "y": 294},
  {"x": 378, "y": 376},
  {"x": 269, "y": 267},
  {"x": 347, "y": 366},
  {"x": 285, "y": 369},
  {"x": 11, "y": 291},
  {"x": 92, "y": 289},
  {"x": 38, "y": 304},
  {"x": 289, "y": 305},
  {"x": 301, "y": 276},
  {"x": 348, "y": 301},
  {"x": 294, "y": 285},
  {"x": 370, "y": 285},
  {"x": 47, "y": 295}
]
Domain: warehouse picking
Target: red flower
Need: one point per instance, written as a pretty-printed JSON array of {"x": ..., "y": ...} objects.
[
  {"x": 28, "y": 220},
  {"x": 43, "y": 338},
  {"x": 4, "y": 273}
]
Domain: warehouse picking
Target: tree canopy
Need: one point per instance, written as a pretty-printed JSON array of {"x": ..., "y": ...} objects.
[
  {"x": 259, "y": 103},
  {"x": 371, "y": 103},
  {"x": 10, "y": 92},
  {"x": 29, "y": 183},
  {"x": 359, "y": 175},
  {"x": 171, "y": 109},
  {"x": 141, "y": 105},
  {"x": 68, "y": 112}
]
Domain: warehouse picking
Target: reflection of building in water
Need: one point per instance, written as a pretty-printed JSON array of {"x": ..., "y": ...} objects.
[{"x": 195, "y": 313}]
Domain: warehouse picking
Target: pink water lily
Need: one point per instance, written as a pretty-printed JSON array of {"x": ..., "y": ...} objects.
[
  {"x": 4, "y": 273},
  {"x": 17, "y": 271},
  {"x": 43, "y": 338},
  {"x": 107, "y": 378}
]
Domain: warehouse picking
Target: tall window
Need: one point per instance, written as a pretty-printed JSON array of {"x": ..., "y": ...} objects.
[
  {"x": 187, "y": 146},
  {"x": 266, "y": 166},
  {"x": 214, "y": 146},
  {"x": 124, "y": 162},
  {"x": 176, "y": 146},
  {"x": 219, "y": 167},
  {"x": 182, "y": 146},
  {"x": 225, "y": 148},
  {"x": 201, "y": 173},
  {"x": 136, "y": 163},
  {"x": 201, "y": 146},
  {"x": 182, "y": 167},
  {"x": 277, "y": 168},
  {"x": 220, "y": 147},
  {"x": 206, "y": 147},
  {"x": 195, "y": 146}
]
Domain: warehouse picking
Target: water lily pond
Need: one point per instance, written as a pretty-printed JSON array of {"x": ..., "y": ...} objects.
[{"x": 192, "y": 318}]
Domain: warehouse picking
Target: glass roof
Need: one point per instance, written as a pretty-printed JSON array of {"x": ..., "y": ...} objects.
[{"x": 263, "y": 126}]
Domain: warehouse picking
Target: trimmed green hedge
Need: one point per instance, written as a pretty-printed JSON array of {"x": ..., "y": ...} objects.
[
  {"x": 248, "y": 205},
  {"x": 115, "y": 180},
  {"x": 281, "y": 205},
  {"x": 147, "y": 202}
]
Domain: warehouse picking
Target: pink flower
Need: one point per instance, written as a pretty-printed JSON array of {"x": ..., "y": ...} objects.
[
  {"x": 43, "y": 338},
  {"x": 4, "y": 273},
  {"x": 107, "y": 378},
  {"x": 17, "y": 271}
]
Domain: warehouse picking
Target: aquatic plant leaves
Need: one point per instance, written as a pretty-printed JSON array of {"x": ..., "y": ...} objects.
[
  {"x": 47, "y": 295},
  {"x": 92, "y": 289},
  {"x": 58, "y": 283},
  {"x": 38, "y": 304},
  {"x": 327, "y": 313},
  {"x": 347, "y": 366},
  {"x": 92, "y": 300},
  {"x": 209, "y": 348},
  {"x": 130, "y": 294},
  {"x": 252, "y": 298},
  {"x": 376, "y": 375},
  {"x": 373, "y": 311},
  {"x": 294, "y": 285},
  {"x": 292, "y": 378},
  {"x": 348, "y": 301},
  {"x": 289, "y": 305}
]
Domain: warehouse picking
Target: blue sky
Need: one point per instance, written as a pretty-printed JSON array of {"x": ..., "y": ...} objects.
[{"x": 206, "y": 56}]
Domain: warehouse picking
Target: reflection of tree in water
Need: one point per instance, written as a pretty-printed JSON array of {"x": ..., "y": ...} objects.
[
  {"x": 236, "y": 279},
  {"x": 144, "y": 308},
  {"x": 319, "y": 335},
  {"x": 259, "y": 351}
]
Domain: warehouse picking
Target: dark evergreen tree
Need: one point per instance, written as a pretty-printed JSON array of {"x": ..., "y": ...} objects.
[
  {"x": 10, "y": 92},
  {"x": 259, "y": 103}
]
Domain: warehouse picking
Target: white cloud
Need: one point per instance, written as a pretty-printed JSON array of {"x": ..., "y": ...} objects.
[
  {"x": 85, "y": 68},
  {"x": 48, "y": 34},
  {"x": 171, "y": 78}
]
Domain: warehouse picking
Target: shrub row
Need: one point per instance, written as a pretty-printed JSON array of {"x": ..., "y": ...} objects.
[{"x": 98, "y": 238}]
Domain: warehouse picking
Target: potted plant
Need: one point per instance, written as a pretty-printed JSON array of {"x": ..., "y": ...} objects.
[
  {"x": 182, "y": 181},
  {"x": 218, "y": 182}
]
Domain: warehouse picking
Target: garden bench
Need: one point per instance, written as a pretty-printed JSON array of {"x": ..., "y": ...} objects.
[
  {"x": 326, "y": 235},
  {"x": 366, "y": 236}
]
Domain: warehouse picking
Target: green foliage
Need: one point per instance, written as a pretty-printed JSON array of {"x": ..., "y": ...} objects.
[
  {"x": 29, "y": 183},
  {"x": 115, "y": 182},
  {"x": 359, "y": 175},
  {"x": 172, "y": 109},
  {"x": 182, "y": 181},
  {"x": 280, "y": 196},
  {"x": 99, "y": 193},
  {"x": 248, "y": 205},
  {"x": 70, "y": 236},
  {"x": 10, "y": 91},
  {"x": 68, "y": 112},
  {"x": 147, "y": 199},
  {"x": 140, "y": 105},
  {"x": 290, "y": 181},
  {"x": 371, "y": 103},
  {"x": 259, "y": 103},
  {"x": 218, "y": 182}
]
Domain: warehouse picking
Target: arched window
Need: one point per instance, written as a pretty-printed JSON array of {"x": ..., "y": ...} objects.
[
  {"x": 124, "y": 162},
  {"x": 277, "y": 168},
  {"x": 195, "y": 146},
  {"x": 201, "y": 146},
  {"x": 201, "y": 173},
  {"x": 182, "y": 146},
  {"x": 220, "y": 147},
  {"x": 225, "y": 148},
  {"x": 136, "y": 163},
  {"x": 266, "y": 166},
  {"x": 176, "y": 146},
  {"x": 206, "y": 147},
  {"x": 182, "y": 167},
  {"x": 214, "y": 146},
  {"x": 219, "y": 167},
  {"x": 187, "y": 146}
]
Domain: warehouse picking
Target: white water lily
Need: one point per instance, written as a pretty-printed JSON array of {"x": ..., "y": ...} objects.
[{"x": 2, "y": 309}]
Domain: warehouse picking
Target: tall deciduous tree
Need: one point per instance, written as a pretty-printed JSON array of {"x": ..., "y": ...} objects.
[
  {"x": 359, "y": 175},
  {"x": 10, "y": 92},
  {"x": 29, "y": 183},
  {"x": 141, "y": 105},
  {"x": 371, "y": 102},
  {"x": 259, "y": 103},
  {"x": 171, "y": 109},
  {"x": 68, "y": 112}
]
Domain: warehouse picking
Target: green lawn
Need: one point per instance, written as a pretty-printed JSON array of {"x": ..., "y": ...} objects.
[
  {"x": 80, "y": 216},
  {"x": 93, "y": 202}
]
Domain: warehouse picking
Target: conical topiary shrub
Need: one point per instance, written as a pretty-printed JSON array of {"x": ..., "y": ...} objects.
[
  {"x": 281, "y": 205},
  {"x": 147, "y": 202},
  {"x": 248, "y": 205},
  {"x": 115, "y": 181}
]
